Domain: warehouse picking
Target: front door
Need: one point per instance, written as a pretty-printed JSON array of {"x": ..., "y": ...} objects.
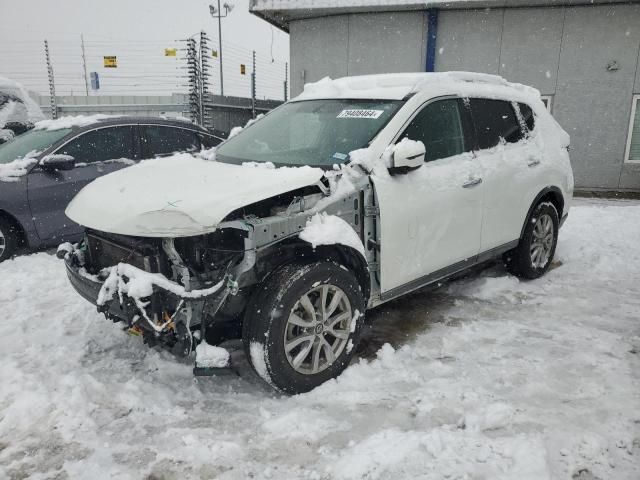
[
  {"x": 96, "y": 153},
  {"x": 431, "y": 217}
]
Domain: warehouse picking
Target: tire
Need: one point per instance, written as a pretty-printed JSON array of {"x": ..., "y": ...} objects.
[
  {"x": 541, "y": 236},
  {"x": 279, "y": 302},
  {"x": 8, "y": 239}
]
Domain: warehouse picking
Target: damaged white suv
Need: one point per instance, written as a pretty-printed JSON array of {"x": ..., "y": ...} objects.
[{"x": 352, "y": 194}]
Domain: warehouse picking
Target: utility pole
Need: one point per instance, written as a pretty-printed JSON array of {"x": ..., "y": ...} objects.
[
  {"x": 286, "y": 80},
  {"x": 84, "y": 66},
  {"x": 253, "y": 87},
  {"x": 217, "y": 13},
  {"x": 52, "y": 85}
]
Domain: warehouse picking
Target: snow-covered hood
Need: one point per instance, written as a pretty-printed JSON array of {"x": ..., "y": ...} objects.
[{"x": 179, "y": 196}]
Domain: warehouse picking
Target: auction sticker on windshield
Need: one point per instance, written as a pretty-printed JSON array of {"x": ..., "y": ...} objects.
[{"x": 360, "y": 113}]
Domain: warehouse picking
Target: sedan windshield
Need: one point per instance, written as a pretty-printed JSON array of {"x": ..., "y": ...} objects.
[
  {"x": 319, "y": 133},
  {"x": 32, "y": 141}
]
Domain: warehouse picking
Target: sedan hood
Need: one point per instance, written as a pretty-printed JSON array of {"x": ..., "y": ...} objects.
[{"x": 179, "y": 196}]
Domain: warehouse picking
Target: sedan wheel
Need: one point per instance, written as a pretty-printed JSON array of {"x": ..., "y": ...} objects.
[{"x": 8, "y": 239}]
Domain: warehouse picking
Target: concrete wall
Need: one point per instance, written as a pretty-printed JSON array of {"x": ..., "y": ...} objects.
[
  {"x": 357, "y": 44},
  {"x": 562, "y": 51}
]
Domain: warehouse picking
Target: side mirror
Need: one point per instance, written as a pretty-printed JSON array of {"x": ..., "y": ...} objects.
[
  {"x": 57, "y": 162},
  {"x": 407, "y": 155}
]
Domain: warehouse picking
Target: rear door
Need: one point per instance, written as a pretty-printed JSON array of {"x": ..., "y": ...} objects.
[
  {"x": 504, "y": 156},
  {"x": 164, "y": 140},
  {"x": 430, "y": 218},
  {"x": 97, "y": 152}
]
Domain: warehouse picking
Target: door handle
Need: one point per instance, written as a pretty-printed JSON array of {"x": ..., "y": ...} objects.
[
  {"x": 534, "y": 163},
  {"x": 472, "y": 182}
]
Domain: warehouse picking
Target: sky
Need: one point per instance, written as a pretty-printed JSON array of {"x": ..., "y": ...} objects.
[{"x": 136, "y": 32}]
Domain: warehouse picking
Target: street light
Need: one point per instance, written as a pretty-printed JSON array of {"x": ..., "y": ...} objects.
[{"x": 217, "y": 13}]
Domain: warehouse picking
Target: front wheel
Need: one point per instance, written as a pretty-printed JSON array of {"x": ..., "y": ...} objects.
[
  {"x": 533, "y": 255},
  {"x": 301, "y": 328}
]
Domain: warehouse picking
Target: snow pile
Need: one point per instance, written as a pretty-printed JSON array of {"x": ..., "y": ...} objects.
[
  {"x": 25, "y": 110},
  {"x": 53, "y": 157},
  {"x": 207, "y": 154},
  {"x": 490, "y": 417},
  {"x": 465, "y": 389},
  {"x": 267, "y": 165},
  {"x": 149, "y": 199},
  {"x": 323, "y": 229},
  {"x": 72, "y": 121},
  {"x": 236, "y": 130},
  {"x": 259, "y": 361},
  {"x": 6, "y": 135},
  {"x": 408, "y": 149},
  {"x": 209, "y": 356},
  {"x": 396, "y": 86},
  {"x": 12, "y": 171}
]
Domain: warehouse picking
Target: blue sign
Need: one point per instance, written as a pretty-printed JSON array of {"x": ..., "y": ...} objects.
[{"x": 95, "y": 81}]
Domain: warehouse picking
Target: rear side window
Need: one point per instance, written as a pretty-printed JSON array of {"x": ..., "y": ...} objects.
[
  {"x": 439, "y": 127},
  {"x": 527, "y": 116},
  {"x": 495, "y": 120},
  {"x": 209, "y": 141},
  {"x": 161, "y": 140},
  {"x": 103, "y": 144}
]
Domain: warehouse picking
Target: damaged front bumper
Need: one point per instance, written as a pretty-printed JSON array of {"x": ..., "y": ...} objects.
[{"x": 163, "y": 312}]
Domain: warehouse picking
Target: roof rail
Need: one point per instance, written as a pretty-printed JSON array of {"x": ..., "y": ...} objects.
[{"x": 478, "y": 77}]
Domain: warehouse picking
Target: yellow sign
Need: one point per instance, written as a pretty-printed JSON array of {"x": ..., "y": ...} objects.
[
  {"x": 110, "y": 62},
  {"x": 242, "y": 69},
  {"x": 214, "y": 53},
  {"x": 170, "y": 52}
]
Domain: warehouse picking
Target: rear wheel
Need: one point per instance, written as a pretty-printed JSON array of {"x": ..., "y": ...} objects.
[
  {"x": 8, "y": 239},
  {"x": 303, "y": 324},
  {"x": 533, "y": 255}
]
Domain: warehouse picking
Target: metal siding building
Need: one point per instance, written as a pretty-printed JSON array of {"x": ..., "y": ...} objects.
[{"x": 583, "y": 55}]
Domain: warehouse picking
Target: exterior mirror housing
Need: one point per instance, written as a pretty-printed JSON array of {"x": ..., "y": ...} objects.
[
  {"x": 407, "y": 155},
  {"x": 57, "y": 162}
]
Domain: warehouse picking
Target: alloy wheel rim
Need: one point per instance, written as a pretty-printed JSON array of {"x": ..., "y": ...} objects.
[
  {"x": 3, "y": 243},
  {"x": 542, "y": 241},
  {"x": 317, "y": 329}
]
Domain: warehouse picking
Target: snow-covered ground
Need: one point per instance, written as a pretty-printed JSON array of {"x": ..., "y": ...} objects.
[{"x": 484, "y": 378}]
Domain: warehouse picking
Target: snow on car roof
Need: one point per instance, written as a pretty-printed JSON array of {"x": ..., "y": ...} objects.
[
  {"x": 79, "y": 121},
  {"x": 72, "y": 121},
  {"x": 396, "y": 86}
]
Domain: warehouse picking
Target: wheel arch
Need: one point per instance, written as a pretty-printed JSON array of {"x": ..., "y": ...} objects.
[
  {"x": 22, "y": 234},
  {"x": 550, "y": 194},
  {"x": 297, "y": 250}
]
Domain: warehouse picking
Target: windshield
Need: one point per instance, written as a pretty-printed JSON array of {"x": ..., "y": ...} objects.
[
  {"x": 33, "y": 140},
  {"x": 319, "y": 133}
]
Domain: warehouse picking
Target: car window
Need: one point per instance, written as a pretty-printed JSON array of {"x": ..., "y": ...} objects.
[
  {"x": 495, "y": 119},
  {"x": 161, "y": 140},
  {"x": 439, "y": 127},
  {"x": 31, "y": 142},
  {"x": 102, "y": 144},
  {"x": 527, "y": 115},
  {"x": 208, "y": 141}
]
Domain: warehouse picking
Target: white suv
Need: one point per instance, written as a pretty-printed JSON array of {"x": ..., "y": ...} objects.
[{"x": 354, "y": 193}]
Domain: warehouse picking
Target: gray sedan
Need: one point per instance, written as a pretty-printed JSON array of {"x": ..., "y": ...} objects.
[{"x": 43, "y": 169}]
